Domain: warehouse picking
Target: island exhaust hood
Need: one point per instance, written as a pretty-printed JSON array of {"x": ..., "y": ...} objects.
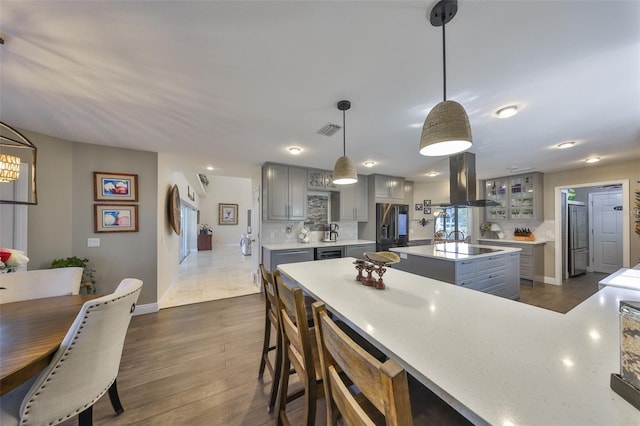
[{"x": 462, "y": 182}]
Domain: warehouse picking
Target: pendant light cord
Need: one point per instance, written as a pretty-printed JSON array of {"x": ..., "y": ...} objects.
[
  {"x": 344, "y": 134},
  {"x": 444, "y": 58}
]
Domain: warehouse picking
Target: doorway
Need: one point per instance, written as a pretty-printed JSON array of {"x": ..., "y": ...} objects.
[
  {"x": 188, "y": 230},
  {"x": 254, "y": 233},
  {"x": 623, "y": 243}
]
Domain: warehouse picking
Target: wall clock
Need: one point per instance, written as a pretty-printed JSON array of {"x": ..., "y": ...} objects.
[{"x": 174, "y": 209}]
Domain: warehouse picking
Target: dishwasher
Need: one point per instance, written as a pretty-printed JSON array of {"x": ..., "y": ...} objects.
[{"x": 335, "y": 252}]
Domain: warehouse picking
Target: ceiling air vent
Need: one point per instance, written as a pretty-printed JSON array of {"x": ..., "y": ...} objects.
[{"x": 328, "y": 129}]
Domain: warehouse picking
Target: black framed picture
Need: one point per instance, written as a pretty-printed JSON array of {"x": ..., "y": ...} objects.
[{"x": 418, "y": 207}]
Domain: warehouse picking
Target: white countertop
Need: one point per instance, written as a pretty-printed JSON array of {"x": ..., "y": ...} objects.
[
  {"x": 313, "y": 244},
  {"x": 625, "y": 278},
  {"x": 430, "y": 251},
  {"x": 504, "y": 240},
  {"x": 495, "y": 360}
]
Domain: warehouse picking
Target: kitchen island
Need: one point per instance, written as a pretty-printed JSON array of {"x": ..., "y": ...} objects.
[
  {"x": 496, "y": 361},
  {"x": 490, "y": 269}
]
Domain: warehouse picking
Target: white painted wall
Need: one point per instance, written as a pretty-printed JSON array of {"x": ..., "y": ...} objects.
[
  {"x": 227, "y": 190},
  {"x": 168, "y": 241}
]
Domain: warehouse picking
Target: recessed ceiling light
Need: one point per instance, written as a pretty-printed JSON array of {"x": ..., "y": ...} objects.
[
  {"x": 295, "y": 150},
  {"x": 508, "y": 111},
  {"x": 565, "y": 145},
  {"x": 592, "y": 160},
  {"x": 432, "y": 174},
  {"x": 209, "y": 167},
  {"x": 369, "y": 163}
]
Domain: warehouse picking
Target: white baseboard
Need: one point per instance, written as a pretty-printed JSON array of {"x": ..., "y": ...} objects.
[
  {"x": 148, "y": 308},
  {"x": 552, "y": 280}
]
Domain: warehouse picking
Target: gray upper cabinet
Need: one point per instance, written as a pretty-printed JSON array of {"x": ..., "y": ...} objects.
[
  {"x": 389, "y": 187},
  {"x": 320, "y": 180},
  {"x": 284, "y": 192},
  {"x": 354, "y": 202},
  {"x": 520, "y": 197}
]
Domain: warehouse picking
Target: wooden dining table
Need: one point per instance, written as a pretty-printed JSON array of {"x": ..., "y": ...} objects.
[{"x": 30, "y": 333}]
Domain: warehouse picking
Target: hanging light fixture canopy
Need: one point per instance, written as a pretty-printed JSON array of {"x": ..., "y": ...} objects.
[
  {"x": 446, "y": 129},
  {"x": 344, "y": 172},
  {"x": 17, "y": 167}
]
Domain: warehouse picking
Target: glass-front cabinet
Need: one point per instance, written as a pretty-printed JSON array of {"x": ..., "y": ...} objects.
[
  {"x": 522, "y": 192},
  {"x": 520, "y": 197},
  {"x": 320, "y": 180},
  {"x": 497, "y": 190}
]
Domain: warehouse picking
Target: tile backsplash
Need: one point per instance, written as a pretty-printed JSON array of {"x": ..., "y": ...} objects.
[{"x": 287, "y": 232}]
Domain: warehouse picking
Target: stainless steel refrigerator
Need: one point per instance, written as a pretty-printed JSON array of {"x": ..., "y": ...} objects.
[
  {"x": 392, "y": 226},
  {"x": 577, "y": 234}
]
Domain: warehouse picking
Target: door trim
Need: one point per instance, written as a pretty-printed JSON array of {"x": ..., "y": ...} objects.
[{"x": 626, "y": 254}]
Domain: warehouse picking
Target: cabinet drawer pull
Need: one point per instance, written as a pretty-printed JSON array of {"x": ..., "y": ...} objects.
[{"x": 297, "y": 252}]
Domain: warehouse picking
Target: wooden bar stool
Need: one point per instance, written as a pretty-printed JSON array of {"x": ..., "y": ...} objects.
[
  {"x": 299, "y": 350},
  {"x": 271, "y": 321},
  {"x": 384, "y": 390}
]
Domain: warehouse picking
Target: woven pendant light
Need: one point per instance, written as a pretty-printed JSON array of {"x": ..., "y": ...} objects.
[
  {"x": 344, "y": 172},
  {"x": 446, "y": 129}
]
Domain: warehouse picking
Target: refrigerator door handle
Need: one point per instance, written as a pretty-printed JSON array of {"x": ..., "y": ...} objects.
[{"x": 396, "y": 216}]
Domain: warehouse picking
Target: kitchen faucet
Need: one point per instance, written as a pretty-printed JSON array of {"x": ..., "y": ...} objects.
[{"x": 454, "y": 234}]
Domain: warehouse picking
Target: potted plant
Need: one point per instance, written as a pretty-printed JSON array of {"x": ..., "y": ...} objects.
[
  {"x": 88, "y": 278},
  {"x": 205, "y": 229}
]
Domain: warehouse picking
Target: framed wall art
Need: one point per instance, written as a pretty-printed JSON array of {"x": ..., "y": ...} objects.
[
  {"x": 227, "y": 214},
  {"x": 115, "y": 218},
  {"x": 427, "y": 210},
  {"x": 115, "y": 187},
  {"x": 418, "y": 207}
]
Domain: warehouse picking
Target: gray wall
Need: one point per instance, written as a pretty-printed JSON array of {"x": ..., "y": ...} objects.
[{"x": 63, "y": 219}]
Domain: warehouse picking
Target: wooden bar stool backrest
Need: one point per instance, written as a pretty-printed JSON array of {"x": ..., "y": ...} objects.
[
  {"x": 270, "y": 293},
  {"x": 298, "y": 346},
  {"x": 384, "y": 385},
  {"x": 272, "y": 322}
]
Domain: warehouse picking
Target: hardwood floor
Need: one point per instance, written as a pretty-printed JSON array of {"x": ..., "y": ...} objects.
[
  {"x": 197, "y": 364},
  {"x": 562, "y": 298}
]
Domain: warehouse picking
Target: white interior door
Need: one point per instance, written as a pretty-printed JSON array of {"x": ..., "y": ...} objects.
[{"x": 607, "y": 232}]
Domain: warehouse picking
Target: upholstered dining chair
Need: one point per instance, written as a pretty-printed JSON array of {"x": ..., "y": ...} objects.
[
  {"x": 82, "y": 370},
  {"x": 299, "y": 350},
  {"x": 271, "y": 323},
  {"x": 39, "y": 283},
  {"x": 383, "y": 387}
]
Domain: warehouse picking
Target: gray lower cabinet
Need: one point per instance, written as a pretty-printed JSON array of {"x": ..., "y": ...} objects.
[
  {"x": 273, "y": 258},
  {"x": 357, "y": 250},
  {"x": 496, "y": 274},
  {"x": 531, "y": 258}
]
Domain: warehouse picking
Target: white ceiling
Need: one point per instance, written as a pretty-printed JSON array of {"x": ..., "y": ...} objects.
[{"x": 233, "y": 83}]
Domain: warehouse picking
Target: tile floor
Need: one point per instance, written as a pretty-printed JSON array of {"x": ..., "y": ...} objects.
[{"x": 211, "y": 275}]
